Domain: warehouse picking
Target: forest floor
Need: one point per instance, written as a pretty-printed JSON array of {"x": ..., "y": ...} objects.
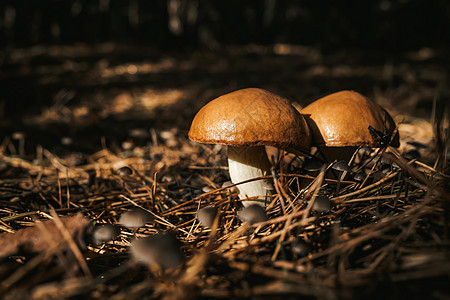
[{"x": 100, "y": 129}]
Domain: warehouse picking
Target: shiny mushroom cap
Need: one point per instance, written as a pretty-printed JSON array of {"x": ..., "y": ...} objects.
[
  {"x": 342, "y": 119},
  {"x": 250, "y": 117}
]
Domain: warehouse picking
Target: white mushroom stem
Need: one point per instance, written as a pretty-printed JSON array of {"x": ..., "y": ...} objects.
[{"x": 247, "y": 163}]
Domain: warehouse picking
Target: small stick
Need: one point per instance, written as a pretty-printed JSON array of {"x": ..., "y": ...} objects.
[
  {"x": 67, "y": 187},
  {"x": 73, "y": 246},
  {"x": 59, "y": 189}
]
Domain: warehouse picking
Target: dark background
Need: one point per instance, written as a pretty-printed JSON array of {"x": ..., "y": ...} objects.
[
  {"x": 380, "y": 24},
  {"x": 54, "y": 56}
]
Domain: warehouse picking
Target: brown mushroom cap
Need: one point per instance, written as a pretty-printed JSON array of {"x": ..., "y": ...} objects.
[
  {"x": 250, "y": 117},
  {"x": 342, "y": 119}
]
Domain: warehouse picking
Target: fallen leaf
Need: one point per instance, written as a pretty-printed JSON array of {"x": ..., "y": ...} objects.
[{"x": 33, "y": 239}]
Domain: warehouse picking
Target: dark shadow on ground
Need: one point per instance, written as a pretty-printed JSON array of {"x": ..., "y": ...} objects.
[{"x": 89, "y": 92}]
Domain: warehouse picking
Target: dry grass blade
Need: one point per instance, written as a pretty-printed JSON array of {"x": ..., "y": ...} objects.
[
  {"x": 367, "y": 188},
  {"x": 393, "y": 155},
  {"x": 233, "y": 237}
]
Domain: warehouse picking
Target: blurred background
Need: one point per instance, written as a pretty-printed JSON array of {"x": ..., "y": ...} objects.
[{"x": 76, "y": 76}]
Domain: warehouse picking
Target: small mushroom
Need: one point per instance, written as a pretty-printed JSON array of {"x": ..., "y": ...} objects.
[
  {"x": 127, "y": 145},
  {"x": 253, "y": 214},
  {"x": 268, "y": 187},
  {"x": 360, "y": 176},
  {"x": 246, "y": 120},
  {"x": 228, "y": 184},
  {"x": 365, "y": 151},
  {"x": 340, "y": 166},
  {"x": 124, "y": 171},
  {"x": 300, "y": 248},
  {"x": 139, "y": 133},
  {"x": 139, "y": 136},
  {"x": 161, "y": 250},
  {"x": 135, "y": 218},
  {"x": 385, "y": 165},
  {"x": 342, "y": 121},
  {"x": 321, "y": 204},
  {"x": 104, "y": 233},
  {"x": 66, "y": 141},
  {"x": 20, "y": 136},
  {"x": 206, "y": 215},
  {"x": 207, "y": 189},
  {"x": 169, "y": 137}
]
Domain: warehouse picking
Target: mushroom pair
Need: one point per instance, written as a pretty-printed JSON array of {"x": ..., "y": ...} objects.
[{"x": 249, "y": 119}]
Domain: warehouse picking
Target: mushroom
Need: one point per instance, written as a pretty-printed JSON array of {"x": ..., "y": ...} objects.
[
  {"x": 342, "y": 167},
  {"x": 230, "y": 187},
  {"x": 321, "y": 204},
  {"x": 300, "y": 248},
  {"x": 161, "y": 250},
  {"x": 207, "y": 189},
  {"x": 207, "y": 215},
  {"x": 20, "y": 136},
  {"x": 253, "y": 214},
  {"x": 342, "y": 121},
  {"x": 135, "y": 218},
  {"x": 104, "y": 233},
  {"x": 124, "y": 171},
  {"x": 360, "y": 176},
  {"x": 247, "y": 120}
]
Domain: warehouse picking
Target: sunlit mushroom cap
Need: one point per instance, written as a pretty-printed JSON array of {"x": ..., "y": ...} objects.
[
  {"x": 135, "y": 217},
  {"x": 250, "y": 117},
  {"x": 343, "y": 119}
]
